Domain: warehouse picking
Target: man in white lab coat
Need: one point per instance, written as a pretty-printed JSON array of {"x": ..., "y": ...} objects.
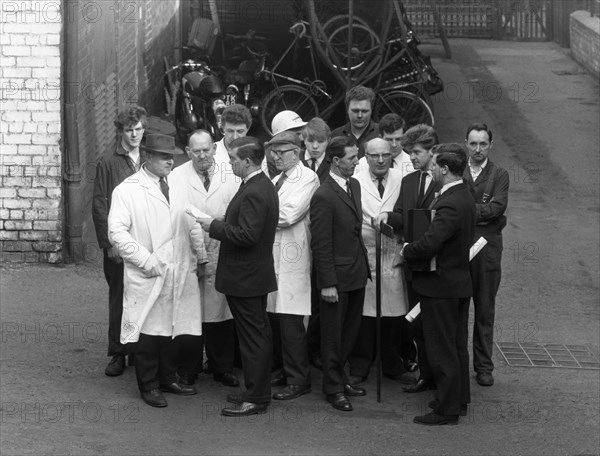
[
  {"x": 209, "y": 186},
  {"x": 291, "y": 252},
  {"x": 380, "y": 187},
  {"x": 161, "y": 296}
]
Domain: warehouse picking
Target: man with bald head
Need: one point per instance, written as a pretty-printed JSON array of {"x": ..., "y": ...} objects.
[
  {"x": 380, "y": 187},
  {"x": 209, "y": 186}
]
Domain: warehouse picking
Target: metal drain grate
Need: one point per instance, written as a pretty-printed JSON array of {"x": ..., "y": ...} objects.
[{"x": 548, "y": 355}]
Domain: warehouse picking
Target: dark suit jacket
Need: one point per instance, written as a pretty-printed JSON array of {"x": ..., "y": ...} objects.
[
  {"x": 339, "y": 253},
  {"x": 490, "y": 207},
  {"x": 323, "y": 169},
  {"x": 245, "y": 267},
  {"x": 448, "y": 238},
  {"x": 409, "y": 194}
]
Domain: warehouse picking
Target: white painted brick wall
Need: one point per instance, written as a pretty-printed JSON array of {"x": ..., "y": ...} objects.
[{"x": 30, "y": 155}]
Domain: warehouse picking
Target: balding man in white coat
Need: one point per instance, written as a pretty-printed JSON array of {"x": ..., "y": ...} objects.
[
  {"x": 161, "y": 297},
  {"x": 208, "y": 184},
  {"x": 380, "y": 187},
  {"x": 291, "y": 253}
]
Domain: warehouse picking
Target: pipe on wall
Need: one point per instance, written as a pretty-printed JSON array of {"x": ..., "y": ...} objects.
[{"x": 73, "y": 200}]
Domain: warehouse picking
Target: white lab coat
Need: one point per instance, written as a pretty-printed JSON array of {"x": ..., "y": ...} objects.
[
  {"x": 141, "y": 225},
  {"x": 402, "y": 163},
  {"x": 223, "y": 186},
  {"x": 393, "y": 302},
  {"x": 291, "y": 250}
]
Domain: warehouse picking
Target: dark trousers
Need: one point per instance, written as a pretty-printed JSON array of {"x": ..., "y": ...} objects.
[
  {"x": 485, "y": 274},
  {"x": 293, "y": 349},
  {"x": 155, "y": 361},
  {"x": 446, "y": 331},
  {"x": 340, "y": 325},
  {"x": 217, "y": 339},
  {"x": 416, "y": 333},
  {"x": 364, "y": 353},
  {"x": 277, "y": 359},
  {"x": 313, "y": 331},
  {"x": 113, "y": 272},
  {"x": 256, "y": 345}
]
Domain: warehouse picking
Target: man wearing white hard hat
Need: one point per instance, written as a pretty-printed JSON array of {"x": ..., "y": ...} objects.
[{"x": 286, "y": 121}]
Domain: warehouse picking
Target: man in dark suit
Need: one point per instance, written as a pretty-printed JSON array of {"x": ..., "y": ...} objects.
[
  {"x": 445, "y": 292},
  {"x": 489, "y": 186},
  {"x": 342, "y": 268},
  {"x": 316, "y": 136},
  {"x": 416, "y": 192},
  {"x": 245, "y": 270}
]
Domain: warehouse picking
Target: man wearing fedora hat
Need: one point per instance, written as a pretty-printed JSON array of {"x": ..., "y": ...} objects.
[{"x": 148, "y": 226}]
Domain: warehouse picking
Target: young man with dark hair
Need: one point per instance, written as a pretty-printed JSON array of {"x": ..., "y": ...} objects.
[
  {"x": 246, "y": 271},
  {"x": 360, "y": 128},
  {"x": 489, "y": 186},
  {"x": 342, "y": 268},
  {"x": 112, "y": 169},
  {"x": 445, "y": 292}
]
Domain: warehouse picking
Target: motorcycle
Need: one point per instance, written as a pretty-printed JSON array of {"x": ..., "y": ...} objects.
[{"x": 200, "y": 98}]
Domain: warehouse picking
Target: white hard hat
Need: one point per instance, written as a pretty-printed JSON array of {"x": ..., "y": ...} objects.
[{"x": 286, "y": 120}]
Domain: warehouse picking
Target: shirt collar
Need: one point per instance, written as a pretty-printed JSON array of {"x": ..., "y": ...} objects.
[
  {"x": 339, "y": 180},
  {"x": 450, "y": 185},
  {"x": 251, "y": 175}
]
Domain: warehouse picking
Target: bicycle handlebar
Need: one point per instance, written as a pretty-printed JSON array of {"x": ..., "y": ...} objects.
[
  {"x": 249, "y": 36},
  {"x": 190, "y": 64}
]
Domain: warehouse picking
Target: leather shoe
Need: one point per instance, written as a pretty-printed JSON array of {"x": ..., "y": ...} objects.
[
  {"x": 433, "y": 419},
  {"x": 115, "y": 366},
  {"x": 278, "y": 380},
  {"x": 291, "y": 392},
  {"x": 420, "y": 386},
  {"x": 245, "y": 409},
  {"x": 485, "y": 378},
  {"x": 227, "y": 379},
  {"x": 176, "y": 388},
  {"x": 411, "y": 366},
  {"x": 187, "y": 379},
  {"x": 316, "y": 362},
  {"x": 339, "y": 401},
  {"x": 434, "y": 404},
  {"x": 235, "y": 398},
  {"x": 154, "y": 398},
  {"x": 353, "y": 390}
]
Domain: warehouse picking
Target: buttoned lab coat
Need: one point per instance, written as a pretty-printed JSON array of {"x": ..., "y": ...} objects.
[
  {"x": 223, "y": 185},
  {"x": 393, "y": 301},
  {"x": 141, "y": 224},
  {"x": 291, "y": 250}
]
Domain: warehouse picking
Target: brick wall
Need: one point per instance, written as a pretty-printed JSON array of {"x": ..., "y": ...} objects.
[
  {"x": 30, "y": 132},
  {"x": 585, "y": 40}
]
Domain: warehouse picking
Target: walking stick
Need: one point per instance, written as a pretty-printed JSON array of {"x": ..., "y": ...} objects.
[{"x": 378, "y": 311}]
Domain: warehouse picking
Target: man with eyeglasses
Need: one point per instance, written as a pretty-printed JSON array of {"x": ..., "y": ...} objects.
[
  {"x": 489, "y": 186},
  {"x": 391, "y": 128},
  {"x": 288, "y": 305},
  {"x": 380, "y": 187},
  {"x": 209, "y": 186}
]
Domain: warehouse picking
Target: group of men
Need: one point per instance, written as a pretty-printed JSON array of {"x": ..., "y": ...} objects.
[{"x": 217, "y": 248}]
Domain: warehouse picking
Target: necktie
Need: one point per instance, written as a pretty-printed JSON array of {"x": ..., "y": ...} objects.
[
  {"x": 422, "y": 189},
  {"x": 281, "y": 181},
  {"x": 313, "y": 163},
  {"x": 348, "y": 190},
  {"x": 380, "y": 186},
  {"x": 164, "y": 187},
  {"x": 206, "y": 179}
]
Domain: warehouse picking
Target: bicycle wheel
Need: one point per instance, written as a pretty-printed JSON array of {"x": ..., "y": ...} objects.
[
  {"x": 410, "y": 106},
  {"x": 364, "y": 41},
  {"x": 288, "y": 97}
]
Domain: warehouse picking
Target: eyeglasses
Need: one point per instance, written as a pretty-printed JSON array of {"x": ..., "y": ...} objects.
[
  {"x": 279, "y": 153},
  {"x": 480, "y": 145},
  {"x": 379, "y": 156}
]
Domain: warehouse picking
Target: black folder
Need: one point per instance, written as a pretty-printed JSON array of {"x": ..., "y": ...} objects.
[{"x": 417, "y": 224}]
